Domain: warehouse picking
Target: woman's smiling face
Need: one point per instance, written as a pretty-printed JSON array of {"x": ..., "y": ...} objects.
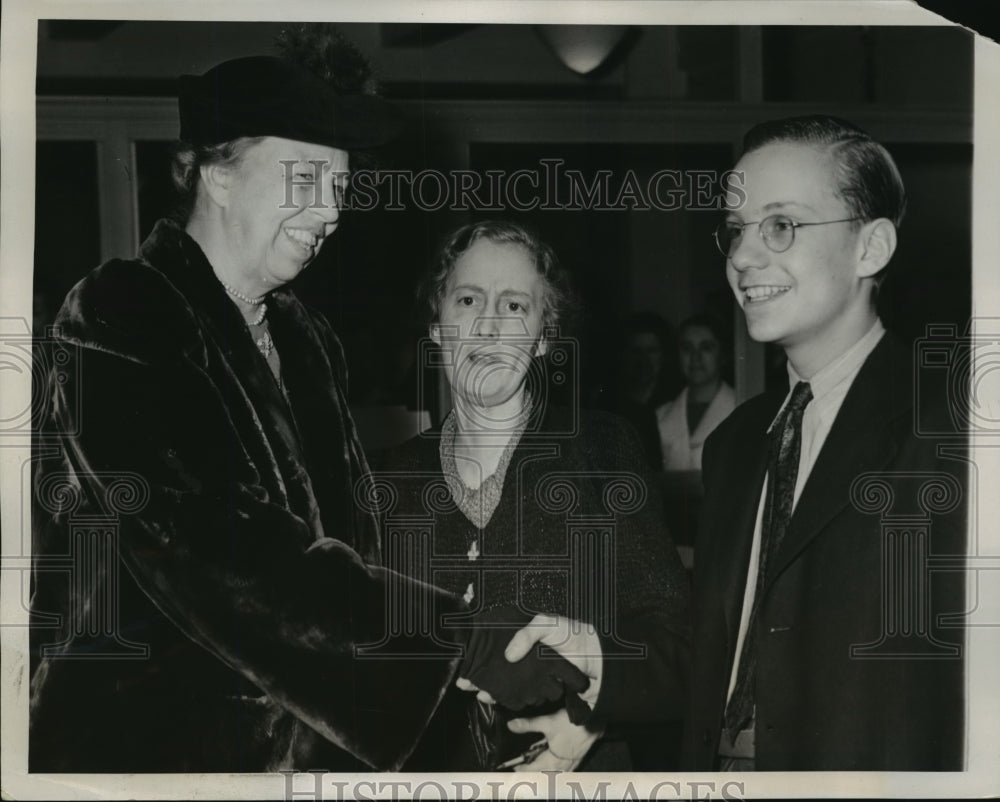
[{"x": 282, "y": 201}]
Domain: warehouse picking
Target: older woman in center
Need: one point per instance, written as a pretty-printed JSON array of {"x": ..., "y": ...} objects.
[{"x": 548, "y": 512}]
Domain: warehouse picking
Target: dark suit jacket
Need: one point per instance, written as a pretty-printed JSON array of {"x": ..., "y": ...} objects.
[{"x": 855, "y": 672}]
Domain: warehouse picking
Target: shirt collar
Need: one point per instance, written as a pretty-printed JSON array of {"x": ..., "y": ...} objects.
[{"x": 830, "y": 385}]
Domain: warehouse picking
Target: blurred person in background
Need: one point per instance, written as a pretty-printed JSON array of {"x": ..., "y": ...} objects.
[
  {"x": 647, "y": 375},
  {"x": 704, "y": 402},
  {"x": 686, "y": 421}
]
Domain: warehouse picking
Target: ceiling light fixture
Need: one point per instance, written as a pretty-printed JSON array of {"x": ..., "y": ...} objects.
[{"x": 583, "y": 48}]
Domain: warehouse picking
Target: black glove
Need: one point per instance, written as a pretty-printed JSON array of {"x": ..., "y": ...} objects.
[{"x": 543, "y": 675}]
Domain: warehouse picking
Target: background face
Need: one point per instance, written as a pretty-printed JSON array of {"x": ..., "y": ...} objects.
[
  {"x": 490, "y": 322},
  {"x": 700, "y": 356}
]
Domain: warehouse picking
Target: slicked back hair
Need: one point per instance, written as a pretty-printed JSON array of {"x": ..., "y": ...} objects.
[{"x": 867, "y": 177}]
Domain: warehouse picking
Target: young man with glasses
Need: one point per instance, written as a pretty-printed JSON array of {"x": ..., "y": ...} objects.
[{"x": 805, "y": 656}]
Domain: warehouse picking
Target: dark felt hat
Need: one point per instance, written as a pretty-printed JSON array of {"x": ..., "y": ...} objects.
[{"x": 268, "y": 96}]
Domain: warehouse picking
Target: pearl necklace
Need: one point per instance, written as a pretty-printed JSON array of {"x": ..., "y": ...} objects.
[
  {"x": 245, "y": 298},
  {"x": 264, "y": 343}
]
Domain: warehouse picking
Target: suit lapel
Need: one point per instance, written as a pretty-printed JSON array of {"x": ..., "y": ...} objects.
[
  {"x": 860, "y": 440},
  {"x": 711, "y": 419}
]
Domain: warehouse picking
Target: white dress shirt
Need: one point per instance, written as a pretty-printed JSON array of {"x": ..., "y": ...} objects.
[{"x": 829, "y": 388}]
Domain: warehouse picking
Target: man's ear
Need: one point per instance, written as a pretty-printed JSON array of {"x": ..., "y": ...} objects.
[
  {"x": 542, "y": 346},
  {"x": 216, "y": 180},
  {"x": 436, "y": 333},
  {"x": 878, "y": 243}
]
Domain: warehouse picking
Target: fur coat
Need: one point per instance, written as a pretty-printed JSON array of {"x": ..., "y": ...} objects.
[{"x": 238, "y": 575}]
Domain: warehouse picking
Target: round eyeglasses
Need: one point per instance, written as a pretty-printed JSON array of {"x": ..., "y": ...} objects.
[{"x": 777, "y": 231}]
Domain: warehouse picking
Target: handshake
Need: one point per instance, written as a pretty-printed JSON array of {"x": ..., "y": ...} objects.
[{"x": 541, "y": 676}]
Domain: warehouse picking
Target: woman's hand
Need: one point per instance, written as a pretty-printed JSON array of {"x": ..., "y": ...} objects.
[
  {"x": 568, "y": 742},
  {"x": 465, "y": 685}
]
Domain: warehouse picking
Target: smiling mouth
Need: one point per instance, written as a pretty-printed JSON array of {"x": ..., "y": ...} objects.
[
  {"x": 484, "y": 357},
  {"x": 762, "y": 292},
  {"x": 504, "y": 359},
  {"x": 305, "y": 240}
]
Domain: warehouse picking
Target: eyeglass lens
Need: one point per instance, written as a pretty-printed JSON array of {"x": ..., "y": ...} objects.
[{"x": 777, "y": 231}]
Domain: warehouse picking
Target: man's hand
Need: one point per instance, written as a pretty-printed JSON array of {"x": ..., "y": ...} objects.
[
  {"x": 568, "y": 742},
  {"x": 574, "y": 640}
]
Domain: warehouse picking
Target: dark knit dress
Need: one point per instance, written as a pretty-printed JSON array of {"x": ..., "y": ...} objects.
[{"x": 577, "y": 531}]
